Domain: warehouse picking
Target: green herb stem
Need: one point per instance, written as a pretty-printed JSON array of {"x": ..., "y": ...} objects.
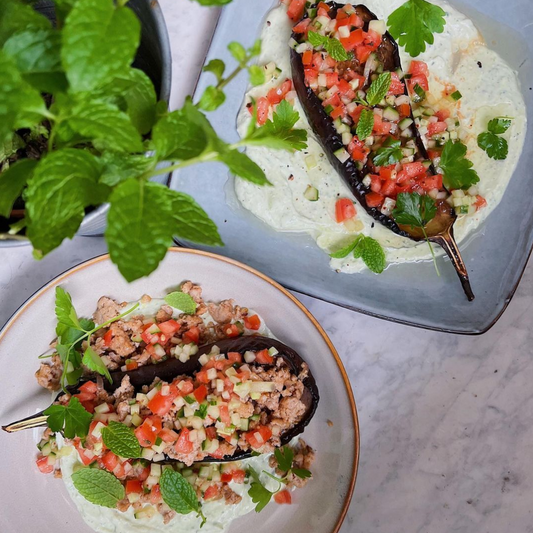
[
  {"x": 431, "y": 250},
  {"x": 203, "y": 158}
]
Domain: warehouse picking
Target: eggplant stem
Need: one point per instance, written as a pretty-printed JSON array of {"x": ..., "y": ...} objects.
[
  {"x": 34, "y": 421},
  {"x": 447, "y": 241}
]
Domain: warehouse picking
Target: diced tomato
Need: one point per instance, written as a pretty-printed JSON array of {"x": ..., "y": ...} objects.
[
  {"x": 263, "y": 357},
  {"x": 84, "y": 396},
  {"x": 200, "y": 393},
  {"x": 386, "y": 173},
  {"x": 388, "y": 188},
  {"x": 251, "y": 436},
  {"x": 149, "y": 338},
  {"x": 296, "y": 10},
  {"x": 436, "y": 127},
  {"x": 201, "y": 376},
  {"x": 396, "y": 86},
  {"x": 185, "y": 387},
  {"x": 332, "y": 78},
  {"x": 414, "y": 169},
  {"x": 226, "y": 477},
  {"x": 352, "y": 20},
  {"x": 231, "y": 330},
  {"x": 107, "y": 338},
  {"x": 88, "y": 405},
  {"x": 381, "y": 127},
  {"x": 212, "y": 492},
  {"x": 418, "y": 68},
  {"x": 235, "y": 357},
  {"x": 344, "y": 210},
  {"x": 217, "y": 454},
  {"x": 43, "y": 466},
  {"x": 224, "y": 414},
  {"x": 263, "y": 107},
  {"x": 252, "y": 322},
  {"x": 109, "y": 461},
  {"x": 238, "y": 476},
  {"x": 433, "y": 154},
  {"x": 363, "y": 53},
  {"x": 184, "y": 445},
  {"x": 418, "y": 80},
  {"x": 192, "y": 335},
  {"x": 355, "y": 38},
  {"x": 372, "y": 40},
  {"x": 134, "y": 486},
  {"x": 147, "y": 432},
  {"x": 143, "y": 474},
  {"x": 133, "y": 365},
  {"x": 442, "y": 114},
  {"x": 89, "y": 387},
  {"x": 404, "y": 110},
  {"x": 374, "y": 199},
  {"x": 338, "y": 112},
  {"x": 324, "y": 6},
  {"x": 302, "y": 26},
  {"x": 480, "y": 202},
  {"x": 168, "y": 435},
  {"x": 277, "y": 94},
  {"x": 307, "y": 57},
  {"x": 431, "y": 182},
  {"x": 161, "y": 405},
  {"x": 169, "y": 327},
  {"x": 119, "y": 471},
  {"x": 155, "y": 494},
  {"x": 86, "y": 460},
  {"x": 283, "y": 497},
  {"x": 402, "y": 177},
  {"x": 333, "y": 101},
  {"x": 375, "y": 183},
  {"x": 211, "y": 433}
]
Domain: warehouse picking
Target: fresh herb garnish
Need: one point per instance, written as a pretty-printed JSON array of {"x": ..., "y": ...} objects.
[
  {"x": 365, "y": 124},
  {"x": 414, "y": 23},
  {"x": 71, "y": 419},
  {"x": 201, "y": 411},
  {"x": 98, "y": 486},
  {"x": 284, "y": 457},
  {"x": 331, "y": 45},
  {"x": 457, "y": 169},
  {"x": 389, "y": 153},
  {"x": 499, "y": 125},
  {"x": 179, "y": 494},
  {"x": 379, "y": 89},
  {"x": 490, "y": 141},
  {"x": 416, "y": 211},
  {"x": 260, "y": 495},
  {"x": 346, "y": 250},
  {"x": 372, "y": 254},
  {"x": 121, "y": 440},
  {"x": 182, "y": 301},
  {"x": 94, "y": 362}
]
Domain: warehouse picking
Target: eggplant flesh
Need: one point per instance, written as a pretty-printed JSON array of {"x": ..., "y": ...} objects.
[
  {"x": 172, "y": 368},
  {"x": 440, "y": 228}
]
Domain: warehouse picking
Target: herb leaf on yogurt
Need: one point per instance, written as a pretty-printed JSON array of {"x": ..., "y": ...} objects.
[
  {"x": 414, "y": 23},
  {"x": 98, "y": 486},
  {"x": 260, "y": 495},
  {"x": 179, "y": 494},
  {"x": 457, "y": 169},
  {"x": 372, "y": 254},
  {"x": 121, "y": 440},
  {"x": 71, "y": 419},
  {"x": 495, "y": 146},
  {"x": 182, "y": 301}
]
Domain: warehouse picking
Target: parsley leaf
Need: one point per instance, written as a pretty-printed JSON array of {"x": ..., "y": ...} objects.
[
  {"x": 98, "y": 486},
  {"x": 64, "y": 309},
  {"x": 495, "y": 146},
  {"x": 372, "y": 254},
  {"x": 414, "y": 23},
  {"x": 94, "y": 362},
  {"x": 331, "y": 45},
  {"x": 302, "y": 473},
  {"x": 121, "y": 440},
  {"x": 72, "y": 419},
  {"x": 414, "y": 210},
  {"x": 182, "y": 301},
  {"x": 379, "y": 89},
  {"x": 499, "y": 125},
  {"x": 346, "y": 250},
  {"x": 178, "y": 493},
  {"x": 457, "y": 170},
  {"x": 389, "y": 153},
  {"x": 259, "y": 494},
  {"x": 365, "y": 124},
  {"x": 284, "y": 457}
]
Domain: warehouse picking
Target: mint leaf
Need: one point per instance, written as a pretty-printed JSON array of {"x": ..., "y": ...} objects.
[
  {"x": 379, "y": 89},
  {"x": 98, "y": 486},
  {"x": 133, "y": 231},
  {"x": 255, "y": 49},
  {"x": 238, "y": 52},
  {"x": 21, "y": 106},
  {"x": 284, "y": 457},
  {"x": 16, "y": 16},
  {"x": 37, "y": 55},
  {"x": 178, "y": 137},
  {"x": 94, "y": 362},
  {"x": 178, "y": 493},
  {"x": 141, "y": 101},
  {"x": 119, "y": 167},
  {"x": 241, "y": 165},
  {"x": 331, "y": 45},
  {"x": 389, "y": 153},
  {"x": 414, "y": 210},
  {"x": 64, "y": 309},
  {"x": 346, "y": 250},
  {"x": 99, "y": 43},
  {"x": 217, "y": 67},
  {"x": 257, "y": 75},
  {"x": 259, "y": 494},
  {"x": 63, "y": 184},
  {"x": 372, "y": 254},
  {"x": 212, "y": 98},
  {"x": 365, "y": 124},
  {"x": 499, "y": 125},
  {"x": 12, "y": 182},
  {"x": 105, "y": 125},
  {"x": 72, "y": 419},
  {"x": 182, "y": 301},
  {"x": 414, "y": 23},
  {"x": 457, "y": 170},
  {"x": 496, "y": 147},
  {"x": 121, "y": 440}
]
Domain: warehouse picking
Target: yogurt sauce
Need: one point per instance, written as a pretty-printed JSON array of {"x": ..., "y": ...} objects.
[{"x": 488, "y": 91}]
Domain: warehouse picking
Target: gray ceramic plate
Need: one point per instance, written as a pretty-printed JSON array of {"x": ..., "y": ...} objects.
[{"x": 496, "y": 256}]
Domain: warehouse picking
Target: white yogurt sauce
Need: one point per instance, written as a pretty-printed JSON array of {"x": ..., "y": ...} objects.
[{"x": 488, "y": 92}]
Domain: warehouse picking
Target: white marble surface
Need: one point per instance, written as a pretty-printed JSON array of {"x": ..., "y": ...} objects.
[{"x": 446, "y": 421}]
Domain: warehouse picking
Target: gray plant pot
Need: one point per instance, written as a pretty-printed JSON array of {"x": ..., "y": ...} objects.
[{"x": 153, "y": 57}]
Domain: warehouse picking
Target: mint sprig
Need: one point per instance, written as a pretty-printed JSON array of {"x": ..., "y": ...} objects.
[
  {"x": 365, "y": 124},
  {"x": 179, "y": 494},
  {"x": 331, "y": 45},
  {"x": 182, "y": 301},
  {"x": 98, "y": 486},
  {"x": 379, "y": 89},
  {"x": 366, "y": 248},
  {"x": 121, "y": 440},
  {"x": 389, "y": 153}
]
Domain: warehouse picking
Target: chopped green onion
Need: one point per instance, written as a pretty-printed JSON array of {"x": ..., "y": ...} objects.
[{"x": 456, "y": 95}]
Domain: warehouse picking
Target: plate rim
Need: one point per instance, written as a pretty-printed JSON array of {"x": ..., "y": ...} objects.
[{"x": 347, "y": 385}]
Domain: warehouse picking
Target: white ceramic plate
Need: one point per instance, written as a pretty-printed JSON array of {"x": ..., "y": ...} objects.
[{"x": 33, "y": 502}]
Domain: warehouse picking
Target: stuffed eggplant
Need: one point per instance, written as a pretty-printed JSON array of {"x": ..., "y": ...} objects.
[
  {"x": 335, "y": 93},
  {"x": 233, "y": 398}
]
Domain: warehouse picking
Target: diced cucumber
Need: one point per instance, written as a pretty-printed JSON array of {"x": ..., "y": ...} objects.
[
  {"x": 405, "y": 123},
  {"x": 245, "y": 424},
  {"x": 311, "y": 193},
  {"x": 205, "y": 472},
  {"x": 391, "y": 114},
  {"x": 342, "y": 155},
  {"x": 418, "y": 112},
  {"x": 46, "y": 449},
  {"x": 428, "y": 112},
  {"x": 407, "y": 152}
]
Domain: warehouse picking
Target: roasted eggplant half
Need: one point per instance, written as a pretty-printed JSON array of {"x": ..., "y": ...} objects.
[
  {"x": 335, "y": 108},
  {"x": 240, "y": 396}
]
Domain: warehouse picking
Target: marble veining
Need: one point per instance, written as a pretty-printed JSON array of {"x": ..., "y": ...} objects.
[{"x": 446, "y": 421}]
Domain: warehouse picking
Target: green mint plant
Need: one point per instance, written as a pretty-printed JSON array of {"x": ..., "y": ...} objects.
[{"x": 104, "y": 135}]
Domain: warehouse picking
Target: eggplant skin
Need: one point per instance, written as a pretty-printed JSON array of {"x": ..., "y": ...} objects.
[
  {"x": 325, "y": 131},
  {"x": 171, "y": 368}
]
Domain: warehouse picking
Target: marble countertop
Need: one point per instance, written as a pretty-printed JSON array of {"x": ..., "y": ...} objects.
[{"x": 446, "y": 421}]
